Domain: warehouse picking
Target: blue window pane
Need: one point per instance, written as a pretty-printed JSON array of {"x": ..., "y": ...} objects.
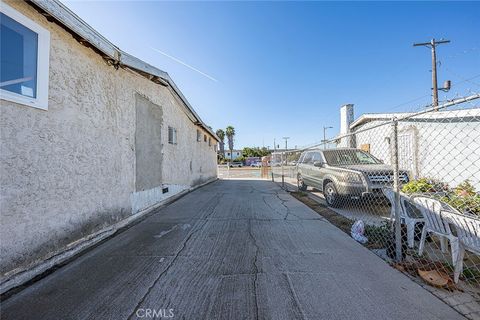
[{"x": 18, "y": 49}]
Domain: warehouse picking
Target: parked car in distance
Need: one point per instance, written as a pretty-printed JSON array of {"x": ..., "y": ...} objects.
[
  {"x": 257, "y": 164},
  {"x": 235, "y": 164},
  {"x": 344, "y": 173}
]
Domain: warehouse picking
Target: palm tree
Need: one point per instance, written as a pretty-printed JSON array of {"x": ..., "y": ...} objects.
[
  {"x": 230, "y": 133},
  {"x": 221, "y": 134}
]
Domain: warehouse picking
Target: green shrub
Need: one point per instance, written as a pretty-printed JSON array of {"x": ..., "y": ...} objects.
[
  {"x": 463, "y": 197},
  {"x": 378, "y": 233},
  {"x": 239, "y": 159},
  {"x": 424, "y": 185},
  {"x": 470, "y": 203}
]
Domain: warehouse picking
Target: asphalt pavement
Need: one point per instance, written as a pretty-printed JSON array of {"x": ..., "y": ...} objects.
[{"x": 233, "y": 249}]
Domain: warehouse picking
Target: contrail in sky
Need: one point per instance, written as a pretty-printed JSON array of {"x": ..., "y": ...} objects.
[{"x": 186, "y": 65}]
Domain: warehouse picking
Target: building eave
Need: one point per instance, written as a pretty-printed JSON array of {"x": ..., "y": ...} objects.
[
  {"x": 57, "y": 12},
  {"x": 368, "y": 117}
]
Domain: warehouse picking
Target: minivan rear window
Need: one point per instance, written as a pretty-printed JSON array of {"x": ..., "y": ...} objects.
[{"x": 349, "y": 157}]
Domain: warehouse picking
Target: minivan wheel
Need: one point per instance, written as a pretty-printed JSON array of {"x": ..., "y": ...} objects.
[
  {"x": 331, "y": 195},
  {"x": 301, "y": 184}
]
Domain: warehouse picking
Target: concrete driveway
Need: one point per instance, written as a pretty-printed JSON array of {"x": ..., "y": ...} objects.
[{"x": 234, "y": 249}]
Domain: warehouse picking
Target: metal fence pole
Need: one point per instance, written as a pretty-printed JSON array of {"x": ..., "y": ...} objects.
[
  {"x": 283, "y": 175},
  {"x": 396, "y": 188}
]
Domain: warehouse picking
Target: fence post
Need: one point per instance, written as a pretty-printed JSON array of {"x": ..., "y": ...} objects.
[
  {"x": 283, "y": 175},
  {"x": 396, "y": 189}
]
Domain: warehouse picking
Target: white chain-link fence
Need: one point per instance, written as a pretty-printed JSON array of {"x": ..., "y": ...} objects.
[{"x": 407, "y": 186}]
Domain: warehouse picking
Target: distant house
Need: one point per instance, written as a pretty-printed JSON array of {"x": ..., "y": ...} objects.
[
  {"x": 443, "y": 145},
  {"x": 233, "y": 155},
  {"x": 91, "y": 137}
]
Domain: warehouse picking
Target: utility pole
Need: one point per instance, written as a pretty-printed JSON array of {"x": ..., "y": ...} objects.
[
  {"x": 274, "y": 145},
  {"x": 286, "y": 144},
  {"x": 432, "y": 44},
  {"x": 325, "y": 136}
]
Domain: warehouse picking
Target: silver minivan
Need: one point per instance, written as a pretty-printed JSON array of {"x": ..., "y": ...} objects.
[{"x": 344, "y": 173}]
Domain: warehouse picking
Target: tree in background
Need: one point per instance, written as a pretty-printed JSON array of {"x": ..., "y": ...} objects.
[
  {"x": 255, "y": 152},
  {"x": 221, "y": 134},
  {"x": 230, "y": 133}
]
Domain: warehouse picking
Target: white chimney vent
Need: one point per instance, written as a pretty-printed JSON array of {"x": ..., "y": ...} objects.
[{"x": 346, "y": 118}]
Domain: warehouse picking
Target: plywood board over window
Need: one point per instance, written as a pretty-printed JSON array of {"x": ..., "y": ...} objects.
[{"x": 148, "y": 144}]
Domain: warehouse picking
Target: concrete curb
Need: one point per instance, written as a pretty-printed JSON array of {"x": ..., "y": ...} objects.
[{"x": 20, "y": 279}]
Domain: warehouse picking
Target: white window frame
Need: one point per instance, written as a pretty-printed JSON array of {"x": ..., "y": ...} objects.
[{"x": 43, "y": 61}]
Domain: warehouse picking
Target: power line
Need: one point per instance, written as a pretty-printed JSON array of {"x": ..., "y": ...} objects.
[
  {"x": 462, "y": 77},
  {"x": 426, "y": 95},
  {"x": 432, "y": 45}
]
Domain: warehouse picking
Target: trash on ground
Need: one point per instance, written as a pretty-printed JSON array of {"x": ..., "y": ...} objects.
[
  {"x": 358, "y": 231},
  {"x": 435, "y": 278}
]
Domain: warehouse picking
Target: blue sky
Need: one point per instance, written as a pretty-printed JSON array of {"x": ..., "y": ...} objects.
[{"x": 285, "y": 68}]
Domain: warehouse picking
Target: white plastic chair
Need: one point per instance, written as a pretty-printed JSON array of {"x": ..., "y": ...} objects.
[
  {"x": 410, "y": 219},
  {"x": 431, "y": 210},
  {"x": 468, "y": 232}
]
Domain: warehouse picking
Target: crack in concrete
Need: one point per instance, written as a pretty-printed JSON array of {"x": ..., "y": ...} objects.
[
  {"x": 268, "y": 205},
  {"x": 255, "y": 279},
  {"x": 177, "y": 254},
  {"x": 294, "y": 296},
  {"x": 282, "y": 201},
  {"x": 257, "y": 249},
  {"x": 216, "y": 203}
]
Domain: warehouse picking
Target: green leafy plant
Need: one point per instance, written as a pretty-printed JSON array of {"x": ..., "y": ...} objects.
[
  {"x": 378, "y": 236},
  {"x": 425, "y": 185},
  {"x": 465, "y": 189},
  {"x": 463, "y": 197},
  {"x": 239, "y": 159}
]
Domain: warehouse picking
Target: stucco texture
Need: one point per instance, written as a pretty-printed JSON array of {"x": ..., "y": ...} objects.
[{"x": 70, "y": 171}]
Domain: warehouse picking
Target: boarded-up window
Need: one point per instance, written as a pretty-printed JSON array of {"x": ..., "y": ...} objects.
[
  {"x": 199, "y": 135},
  {"x": 172, "y": 135},
  {"x": 148, "y": 144},
  {"x": 205, "y": 138},
  {"x": 209, "y": 142},
  {"x": 365, "y": 147}
]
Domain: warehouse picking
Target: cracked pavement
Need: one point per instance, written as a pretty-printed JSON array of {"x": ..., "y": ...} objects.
[{"x": 234, "y": 249}]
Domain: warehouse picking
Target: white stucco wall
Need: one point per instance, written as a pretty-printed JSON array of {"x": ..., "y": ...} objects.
[
  {"x": 70, "y": 171},
  {"x": 446, "y": 149}
]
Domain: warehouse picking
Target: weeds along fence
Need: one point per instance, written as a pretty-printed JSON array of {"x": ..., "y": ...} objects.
[{"x": 407, "y": 186}]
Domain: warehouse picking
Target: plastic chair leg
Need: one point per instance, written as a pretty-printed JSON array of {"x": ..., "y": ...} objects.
[
  {"x": 455, "y": 245},
  {"x": 411, "y": 234},
  {"x": 444, "y": 244},
  {"x": 459, "y": 264},
  {"x": 422, "y": 240}
]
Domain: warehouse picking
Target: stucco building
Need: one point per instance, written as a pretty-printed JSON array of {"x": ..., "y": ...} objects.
[
  {"x": 233, "y": 155},
  {"x": 442, "y": 145},
  {"x": 91, "y": 138}
]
